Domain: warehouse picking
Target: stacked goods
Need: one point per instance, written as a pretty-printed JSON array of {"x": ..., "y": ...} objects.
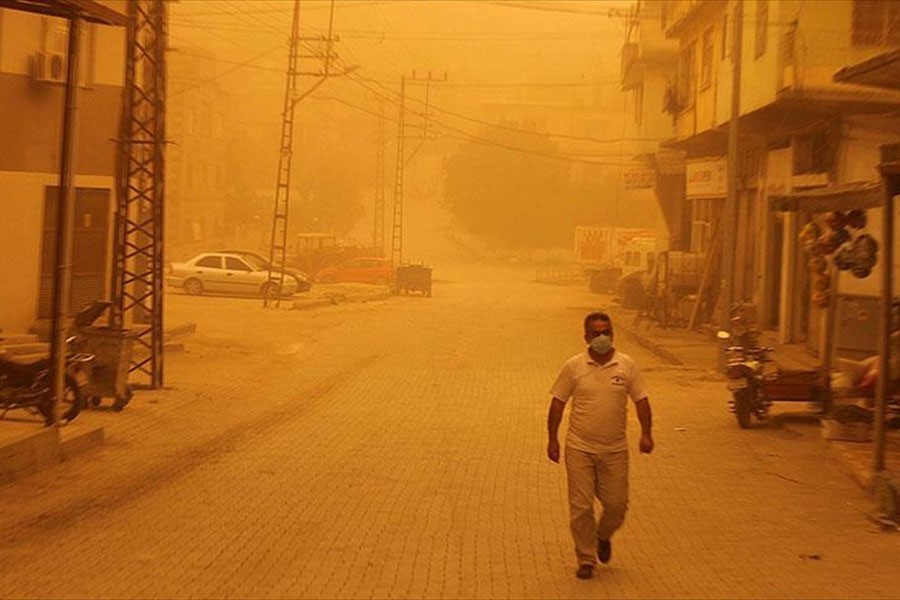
[{"x": 844, "y": 242}]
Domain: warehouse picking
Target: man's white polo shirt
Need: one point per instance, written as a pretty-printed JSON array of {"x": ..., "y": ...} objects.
[{"x": 599, "y": 403}]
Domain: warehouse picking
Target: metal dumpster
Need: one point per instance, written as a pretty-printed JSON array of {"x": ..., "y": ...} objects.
[
  {"x": 111, "y": 348},
  {"x": 413, "y": 278}
]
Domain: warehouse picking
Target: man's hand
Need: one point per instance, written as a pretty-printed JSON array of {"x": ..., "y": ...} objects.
[
  {"x": 646, "y": 444},
  {"x": 553, "y": 450}
]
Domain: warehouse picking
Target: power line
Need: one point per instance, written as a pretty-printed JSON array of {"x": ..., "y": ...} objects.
[
  {"x": 470, "y": 137},
  {"x": 503, "y": 127}
]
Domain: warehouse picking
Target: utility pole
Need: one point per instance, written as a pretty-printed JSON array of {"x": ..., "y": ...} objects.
[
  {"x": 403, "y": 160},
  {"x": 378, "y": 225},
  {"x": 138, "y": 278},
  {"x": 292, "y": 97},
  {"x": 397, "y": 225},
  {"x": 278, "y": 245},
  {"x": 729, "y": 220},
  {"x": 65, "y": 219}
]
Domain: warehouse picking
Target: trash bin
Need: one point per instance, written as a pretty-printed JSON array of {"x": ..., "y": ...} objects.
[
  {"x": 111, "y": 348},
  {"x": 413, "y": 278}
]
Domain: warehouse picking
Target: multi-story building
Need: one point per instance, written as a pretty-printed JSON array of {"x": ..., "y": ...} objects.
[
  {"x": 33, "y": 59},
  {"x": 798, "y": 131},
  {"x": 648, "y": 66},
  {"x": 197, "y": 158}
]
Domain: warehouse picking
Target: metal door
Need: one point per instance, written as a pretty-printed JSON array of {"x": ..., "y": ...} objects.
[{"x": 90, "y": 264}]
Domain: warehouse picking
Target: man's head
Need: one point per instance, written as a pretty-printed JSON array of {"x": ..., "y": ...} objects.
[
  {"x": 598, "y": 333},
  {"x": 595, "y": 324}
]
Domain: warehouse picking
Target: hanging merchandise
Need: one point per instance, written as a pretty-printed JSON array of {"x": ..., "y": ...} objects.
[
  {"x": 857, "y": 254},
  {"x": 856, "y": 219},
  {"x": 818, "y": 264},
  {"x": 809, "y": 236}
]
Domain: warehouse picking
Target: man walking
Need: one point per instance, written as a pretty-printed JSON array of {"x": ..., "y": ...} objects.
[{"x": 598, "y": 383}]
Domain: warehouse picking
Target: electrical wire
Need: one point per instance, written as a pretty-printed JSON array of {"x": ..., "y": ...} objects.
[{"x": 500, "y": 126}]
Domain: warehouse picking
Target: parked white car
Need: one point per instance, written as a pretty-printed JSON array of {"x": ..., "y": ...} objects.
[{"x": 227, "y": 273}]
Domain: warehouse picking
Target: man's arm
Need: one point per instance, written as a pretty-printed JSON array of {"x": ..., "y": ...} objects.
[
  {"x": 645, "y": 416},
  {"x": 554, "y": 417}
]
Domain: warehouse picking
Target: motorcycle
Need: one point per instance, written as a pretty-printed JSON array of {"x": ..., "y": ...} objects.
[
  {"x": 29, "y": 385},
  {"x": 755, "y": 387}
]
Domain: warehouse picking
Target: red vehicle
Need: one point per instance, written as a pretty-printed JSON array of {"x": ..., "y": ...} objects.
[{"x": 374, "y": 270}]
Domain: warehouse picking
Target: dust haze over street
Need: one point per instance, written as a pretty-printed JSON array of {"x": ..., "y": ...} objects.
[
  {"x": 396, "y": 449},
  {"x": 344, "y": 248}
]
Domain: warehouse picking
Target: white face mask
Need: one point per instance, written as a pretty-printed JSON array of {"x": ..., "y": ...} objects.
[{"x": 601, "y": 344}]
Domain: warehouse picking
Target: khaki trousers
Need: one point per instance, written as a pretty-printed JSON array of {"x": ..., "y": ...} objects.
[{"x": 604, "y": 476}]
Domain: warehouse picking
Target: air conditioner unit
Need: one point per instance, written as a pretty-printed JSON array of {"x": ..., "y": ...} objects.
[{"x": 49, "y": 66}]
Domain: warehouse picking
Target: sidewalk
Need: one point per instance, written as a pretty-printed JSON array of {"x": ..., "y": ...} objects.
[
  {"x": 690, "y": 348},
  {"x": 27, "y": 446}
]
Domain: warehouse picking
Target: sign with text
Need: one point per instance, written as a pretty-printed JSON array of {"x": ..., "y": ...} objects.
[
  {"x": 639, "y": 178},
  {"x": 706, "y": 178}
]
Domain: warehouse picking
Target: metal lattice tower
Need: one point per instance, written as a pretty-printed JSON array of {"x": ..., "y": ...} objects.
[
  {"x": 397, "y": 227},
  {"x": 138, "y": 278},
  {"x": 278, "y": 247},
  {"x": 378, "y": 231}
]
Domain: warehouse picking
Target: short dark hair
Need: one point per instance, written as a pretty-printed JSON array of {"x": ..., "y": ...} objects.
[{"x": 594, "y": 317}]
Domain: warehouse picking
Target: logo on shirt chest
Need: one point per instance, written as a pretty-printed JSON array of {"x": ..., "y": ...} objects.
[{"x": 617, "y": 380}]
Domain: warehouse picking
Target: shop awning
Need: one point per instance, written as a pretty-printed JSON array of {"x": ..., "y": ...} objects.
[
  {"x": 881, "y": 71},
  {"x": 105, "y": 12},
  {"x": 844, "y": 197},
  {"x": 793, "y": 110}
]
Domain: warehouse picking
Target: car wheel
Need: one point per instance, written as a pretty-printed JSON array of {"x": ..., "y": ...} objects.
[
  {"x": 269, "y": 290},
  {"x": 193, "y": 286}
]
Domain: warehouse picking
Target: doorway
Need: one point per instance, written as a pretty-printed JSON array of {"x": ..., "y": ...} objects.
[{"x": 90, "y": 249}]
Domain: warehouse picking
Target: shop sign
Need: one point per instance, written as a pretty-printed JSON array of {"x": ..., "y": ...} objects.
[
  {"x": 639, "y": 178},
  {"x": 706, "y": 178}
]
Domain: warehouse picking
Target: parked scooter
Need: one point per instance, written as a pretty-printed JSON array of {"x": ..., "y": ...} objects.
[
  {"x": 29, "y": 385},
  {"x": 754, "y": 385}
]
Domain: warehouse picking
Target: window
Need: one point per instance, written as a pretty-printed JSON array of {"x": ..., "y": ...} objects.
[
  {"x": 235, "y": 264},
  {"x": 210, "y": 262},
  {"x": 725, "y": 51},
  {"x": 638, "y": 104},
  {"x": 706, "y": 59},
  {"x": 762, "y": 26},
  {"x": 876, "y": 23},
  {"x": 813, "y": 153},
  {"x": 686, "y": 75}
]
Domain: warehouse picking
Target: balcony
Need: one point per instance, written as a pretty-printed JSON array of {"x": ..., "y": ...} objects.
[
  {"x": 646, "y": 55},
  {"x": 678, "y": 14}
]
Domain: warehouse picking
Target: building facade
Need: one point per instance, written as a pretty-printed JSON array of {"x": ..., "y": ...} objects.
[
  {"x": 798, "y": 131},
  {"x": 197, "y": 160},
  {"x": 33, "y": 57}
]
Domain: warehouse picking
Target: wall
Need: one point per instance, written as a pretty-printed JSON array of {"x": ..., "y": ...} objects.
[
  {"x": 31, "y": 122},
  {"x": 20, "y": 244},
  {"x": 860, "y": 155}
]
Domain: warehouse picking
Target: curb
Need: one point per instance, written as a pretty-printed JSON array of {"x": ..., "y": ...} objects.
[
  {"x": 35, "y": 450},
  {"x": 661, "y": 352},
  {"x": 335, "y": 299}
]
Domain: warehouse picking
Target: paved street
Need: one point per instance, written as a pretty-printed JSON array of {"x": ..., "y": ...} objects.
[{"x": 396, "y": 449}]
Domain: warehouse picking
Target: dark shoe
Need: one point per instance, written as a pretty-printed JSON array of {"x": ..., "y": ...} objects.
[
  {"x": 604, "y": 550},
  {"x": 585, "y": 572}
]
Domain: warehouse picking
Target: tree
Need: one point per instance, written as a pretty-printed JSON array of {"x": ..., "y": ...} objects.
[{"x": 514, "y": 198}]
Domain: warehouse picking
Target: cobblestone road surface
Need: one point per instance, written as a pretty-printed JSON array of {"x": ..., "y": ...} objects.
[{"x": 396, "y": 449}]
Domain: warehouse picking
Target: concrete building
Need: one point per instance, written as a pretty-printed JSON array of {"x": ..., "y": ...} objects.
[
  {"x": 33, "y": 55},
  {"x": 197, "y": 157},
  {"x": 647, "y": 69},
  {"x": 798, "y": 132}
]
